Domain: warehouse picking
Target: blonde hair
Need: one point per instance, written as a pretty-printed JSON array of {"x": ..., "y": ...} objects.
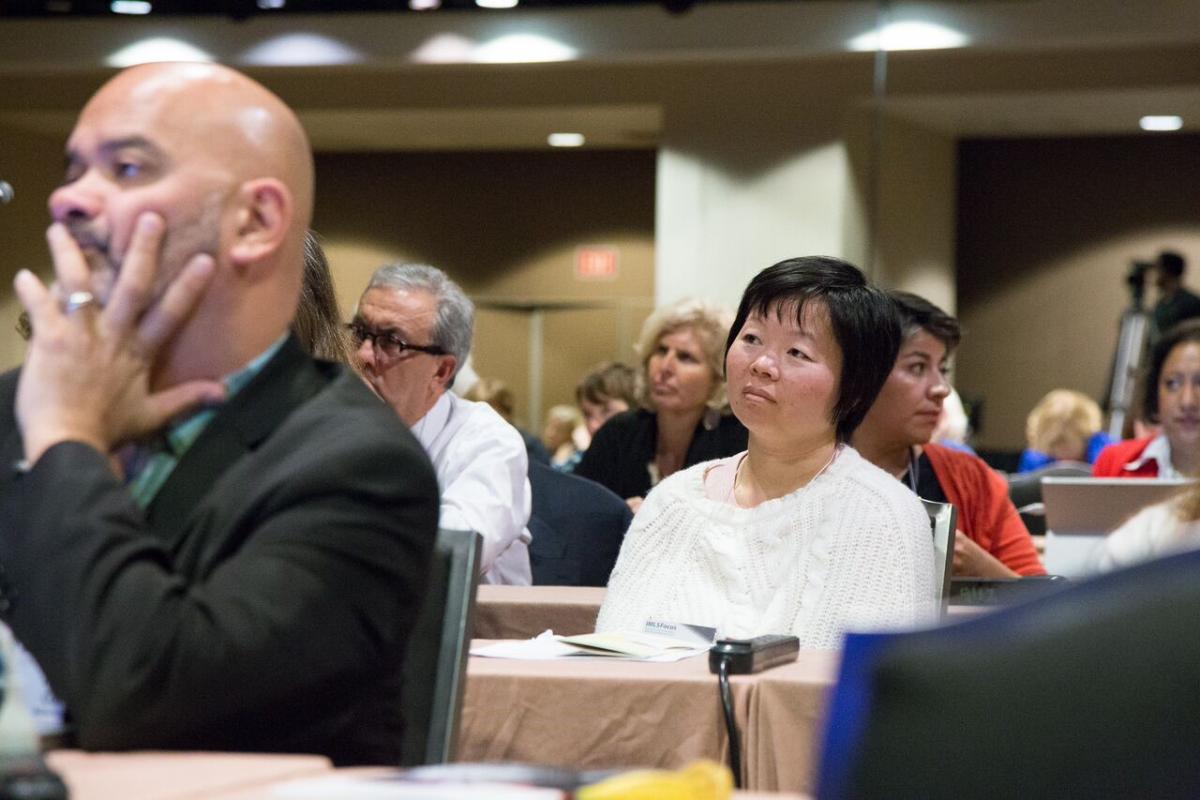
[
  {"x": 1060, "y": 414},
  {"x": 710, "y": 323},
  {"x": 562, "y": 420}
]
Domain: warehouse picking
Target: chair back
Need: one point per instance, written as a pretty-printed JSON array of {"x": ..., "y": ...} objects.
[
  {"x": 943, "y": 518},
  {"x": 577, "y": 526},
  {"x": 1088, "y": 692},
  {"x": 1025, "y": 488},
  {"x": 435, "y": 668}
]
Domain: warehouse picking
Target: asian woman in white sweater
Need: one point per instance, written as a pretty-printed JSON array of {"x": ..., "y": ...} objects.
[{"x": 799, "y": 534}]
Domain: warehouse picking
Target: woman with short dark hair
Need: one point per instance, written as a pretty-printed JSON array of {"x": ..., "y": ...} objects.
[
  {"x": 799, "y": 534},
  {"x": 992, "y": 541}
]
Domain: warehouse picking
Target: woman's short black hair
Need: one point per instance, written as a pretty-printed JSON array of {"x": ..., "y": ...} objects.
[
  {"x": 1183, "y": 333},
  {"x": 864, "y": 322},
  {"x": 918, "y": 314}
]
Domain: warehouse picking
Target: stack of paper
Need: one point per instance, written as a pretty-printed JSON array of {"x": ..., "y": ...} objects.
[{"x": 628, "y": 646}]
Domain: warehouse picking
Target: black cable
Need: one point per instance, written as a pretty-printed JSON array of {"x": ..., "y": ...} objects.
[{"x": 735, "y": 747}]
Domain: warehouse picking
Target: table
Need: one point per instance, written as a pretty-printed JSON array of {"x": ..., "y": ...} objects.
[
  {"x": 522, "y": 612},
  {"x": 208, "y": 776},
  {"x": 176, "y": 776},
  {"x": 787, "y": 715},
  {"x": 596, "y": 714}
]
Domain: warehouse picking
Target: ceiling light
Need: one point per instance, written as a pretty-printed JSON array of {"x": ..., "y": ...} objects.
[
  {"x": 301, "y": 50},
  {"x": 565, "y": 139},
  {"x": 522, "y": 48},
  {"x": 1161, "y": 123},
  {"x": 424, "y": 5},
  {"x": 909, "y": 36},
  {"x": 155, "y": 49},
  {"x": 130, "y": 7},
  {"x": 496, "y": 3},
  {"x": 271, "y": 5}
]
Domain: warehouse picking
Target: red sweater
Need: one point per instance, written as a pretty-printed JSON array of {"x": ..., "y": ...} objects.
[
  {"x": 985, "y": 514},
  {"x": 1112, "y": 460}
]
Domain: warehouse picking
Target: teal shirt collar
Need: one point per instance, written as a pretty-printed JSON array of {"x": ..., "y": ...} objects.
[{"x": 182, "y": 434}]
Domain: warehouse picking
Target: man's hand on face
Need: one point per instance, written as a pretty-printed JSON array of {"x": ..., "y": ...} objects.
[{"x": 86, "y": 375}]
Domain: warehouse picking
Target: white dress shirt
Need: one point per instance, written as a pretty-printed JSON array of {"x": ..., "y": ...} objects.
[{"x": 483, "y": 474}]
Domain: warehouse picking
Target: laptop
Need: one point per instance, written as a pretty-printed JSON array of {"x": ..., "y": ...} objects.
[{"x": 1080, "y": 512}]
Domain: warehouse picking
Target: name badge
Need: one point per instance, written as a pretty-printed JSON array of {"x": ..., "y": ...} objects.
[{"x": 695, "y": 635}]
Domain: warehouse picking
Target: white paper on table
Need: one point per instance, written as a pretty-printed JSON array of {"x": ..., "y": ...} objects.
[
  {"x": 548, "y": 647},
  {"x": 348, "y": 787}
]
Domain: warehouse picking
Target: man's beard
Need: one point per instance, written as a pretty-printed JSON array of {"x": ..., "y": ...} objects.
[
  {"x": 101, "y": 265},
  {"x": 180, "y": 243}
]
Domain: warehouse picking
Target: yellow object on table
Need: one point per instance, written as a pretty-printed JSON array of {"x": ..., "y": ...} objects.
[{"x": 700, "y": 780}]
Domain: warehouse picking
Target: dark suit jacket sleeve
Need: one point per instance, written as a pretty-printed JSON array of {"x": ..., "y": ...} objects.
[{"x": 312, "y": 604}]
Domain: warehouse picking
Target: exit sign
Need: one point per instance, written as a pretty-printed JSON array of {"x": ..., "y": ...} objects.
[{"x": 596, "y": 263}]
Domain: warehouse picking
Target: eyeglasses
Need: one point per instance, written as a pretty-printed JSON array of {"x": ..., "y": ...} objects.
[{"x": 387, "y": 344}]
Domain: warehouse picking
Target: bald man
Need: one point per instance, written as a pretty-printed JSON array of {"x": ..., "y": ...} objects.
[{"x": 208, "y": 540}]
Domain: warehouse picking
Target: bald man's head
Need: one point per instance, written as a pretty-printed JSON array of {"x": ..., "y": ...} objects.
[{"x": 225, "y": 163}]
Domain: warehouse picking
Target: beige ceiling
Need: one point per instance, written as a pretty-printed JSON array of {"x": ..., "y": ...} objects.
[{"x": 1041, "y": 67}]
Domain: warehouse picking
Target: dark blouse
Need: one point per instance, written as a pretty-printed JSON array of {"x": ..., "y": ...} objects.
[
  {"x": 621, "y": 450},
  {"x": 928, "y": 486}
]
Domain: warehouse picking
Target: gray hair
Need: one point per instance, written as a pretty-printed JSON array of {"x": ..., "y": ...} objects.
[{"x": 455, "y": 324}]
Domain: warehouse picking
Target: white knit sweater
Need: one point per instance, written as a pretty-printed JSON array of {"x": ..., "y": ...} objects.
[{"x": 852, "y": 550}]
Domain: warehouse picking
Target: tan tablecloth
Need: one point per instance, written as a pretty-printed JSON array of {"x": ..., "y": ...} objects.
[
  {"x": 176, "y": 776},
  {"x": 787, "y": 722},
  {"x": 611, "y": 714},
  {"x": 522, "y": 612}
]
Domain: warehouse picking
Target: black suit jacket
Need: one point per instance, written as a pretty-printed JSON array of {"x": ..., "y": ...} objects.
[{"x": 263, "y": 600}]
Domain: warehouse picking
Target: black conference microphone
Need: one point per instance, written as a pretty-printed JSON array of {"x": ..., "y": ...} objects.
[{"x": 6, "y": 193}]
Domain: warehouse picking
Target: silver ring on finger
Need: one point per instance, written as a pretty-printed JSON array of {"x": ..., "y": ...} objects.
[{"x": 78, "y": 300}]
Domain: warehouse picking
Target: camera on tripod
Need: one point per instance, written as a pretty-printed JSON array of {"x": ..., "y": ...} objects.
[{"x": 1136, "y": 280}]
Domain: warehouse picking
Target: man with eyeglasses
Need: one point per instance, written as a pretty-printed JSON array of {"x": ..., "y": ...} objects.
[{"x": 412, "y": 331}]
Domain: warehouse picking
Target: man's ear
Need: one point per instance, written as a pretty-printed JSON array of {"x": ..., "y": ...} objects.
[
  {"x": 445, "y": 371},
  {"x": 263, "y": 219}
]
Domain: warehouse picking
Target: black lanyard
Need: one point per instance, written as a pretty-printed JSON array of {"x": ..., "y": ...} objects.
[{"x": 914, "y": 468}]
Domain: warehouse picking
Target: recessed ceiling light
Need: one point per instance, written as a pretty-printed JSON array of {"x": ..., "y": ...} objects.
[
  {"x": 522, "y": 48},
  {"x": 566, "y": 139},
  {"x": 424, "y": 5},
  {"x": 912, "y": 35},
  {"x": 154, "y": 49},
  {"x": 130, "y": 7},
  {"x": 1161, "y": 123},
  {"x": 496, "y": 3},
  {"x": 301, "y": 50},
  {"x": 271, "y": 5}
]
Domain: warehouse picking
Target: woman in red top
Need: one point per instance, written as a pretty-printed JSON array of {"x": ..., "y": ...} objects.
[
  {"x": 1172, "y": 400},
  {"x": 992, "y": 541}
]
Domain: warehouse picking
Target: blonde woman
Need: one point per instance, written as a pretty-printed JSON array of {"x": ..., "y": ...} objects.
[
  {"x": 1063, "y": 426},
  {"x": 564, "y": 436},
  {"x": 683, "y": 418}
]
